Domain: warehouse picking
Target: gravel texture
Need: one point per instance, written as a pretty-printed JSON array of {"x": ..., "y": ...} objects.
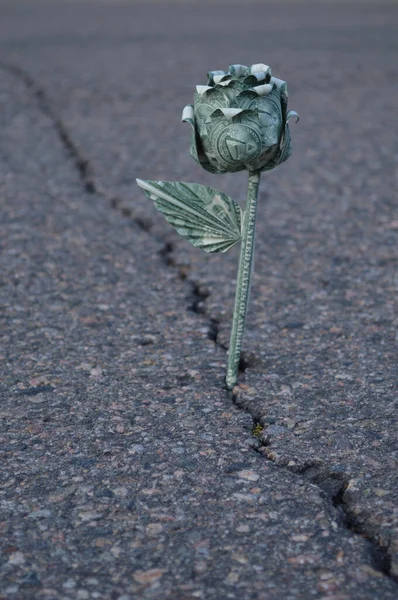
[{"x": 128, "y": 471}]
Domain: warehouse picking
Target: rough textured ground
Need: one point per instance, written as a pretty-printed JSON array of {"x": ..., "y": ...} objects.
[{"x": 128, "y": 471}]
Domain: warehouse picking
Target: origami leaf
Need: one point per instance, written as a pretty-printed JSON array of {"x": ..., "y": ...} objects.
[{"x": 209, "y": 219}]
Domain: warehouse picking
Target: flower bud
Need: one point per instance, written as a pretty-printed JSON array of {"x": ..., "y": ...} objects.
[{"x": 240, "y": 120}]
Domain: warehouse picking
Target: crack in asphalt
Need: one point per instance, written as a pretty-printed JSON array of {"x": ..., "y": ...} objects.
[
  {"x": 198, "y": 297},
  {"x": 82, "y": 164},
  {"x": 331, "y": 488}
]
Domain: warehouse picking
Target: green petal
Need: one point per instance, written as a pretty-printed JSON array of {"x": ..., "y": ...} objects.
[
  {"x": 281, "y": 86},
  {"x": 202, "y": 89},
  {"x": 188, "y": 115},
  {"x": 222, "y": 79},
  {"x": 263, "y": 90},
  {"x": 238, "y": 70},
  {"x": 256, "y": 79},
  {"x": 212, "y": 74},
  {"x": 229, "y": 113},
  {"x": 213, "y": 96},
  {"x": 286, "y": 146},
  {"x": 196, "y": 150},
  {"x": 261, "y": 68},
  {"x": 285, "y": 150}
]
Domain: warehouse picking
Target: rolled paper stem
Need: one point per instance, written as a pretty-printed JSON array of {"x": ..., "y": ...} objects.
[{"x": 243, "y": 281}]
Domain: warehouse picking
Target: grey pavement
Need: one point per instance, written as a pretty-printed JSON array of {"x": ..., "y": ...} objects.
[{"x": 128, "y": 471}]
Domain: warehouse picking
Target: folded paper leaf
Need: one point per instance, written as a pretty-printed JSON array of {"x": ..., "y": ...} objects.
[{"x": 209, "y": 219}]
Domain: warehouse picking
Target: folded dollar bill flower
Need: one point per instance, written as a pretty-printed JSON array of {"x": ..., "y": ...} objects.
[{"x": 240, "y": 120}]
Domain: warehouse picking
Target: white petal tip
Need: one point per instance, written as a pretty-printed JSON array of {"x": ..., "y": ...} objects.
[
  {"x": 238, "y": 70},
  {"x": 187, "y": 113},
  {"x": 263, "y": 90},
  {"x": 259, "y": 68},
  {"x": 278, "y": 82},
  {"x": 293, "y": 113},
  {"x": 201, "y": 89},
  {"x": 231, "y": 112}
]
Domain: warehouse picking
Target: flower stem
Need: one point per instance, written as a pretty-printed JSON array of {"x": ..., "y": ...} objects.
[{"x": 243, "y": 280}]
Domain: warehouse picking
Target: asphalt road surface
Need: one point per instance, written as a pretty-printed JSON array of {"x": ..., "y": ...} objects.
[{"x": 128, "y": 472}]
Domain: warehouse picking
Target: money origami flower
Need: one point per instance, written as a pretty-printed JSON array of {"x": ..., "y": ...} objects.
[{"x": 240, "y": 121}]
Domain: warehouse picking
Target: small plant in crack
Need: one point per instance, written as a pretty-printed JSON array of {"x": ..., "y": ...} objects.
[
  {"x": 239, "y": 122},
  {"x": 257, "y": 430}
]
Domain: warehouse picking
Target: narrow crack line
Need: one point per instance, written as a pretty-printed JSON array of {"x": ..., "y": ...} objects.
[
  {"x": 199, "y": 296},
  {"x": 213, "y": 332},
  {"x": 82, "y": 164},
  {"x": 330, "y": 487},
  {"x": 166, "y": 254},
  {"x": 380, "y": 555}
]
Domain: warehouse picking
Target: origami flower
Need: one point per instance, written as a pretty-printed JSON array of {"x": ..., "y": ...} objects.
[{"x": 240, "y": 120}]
